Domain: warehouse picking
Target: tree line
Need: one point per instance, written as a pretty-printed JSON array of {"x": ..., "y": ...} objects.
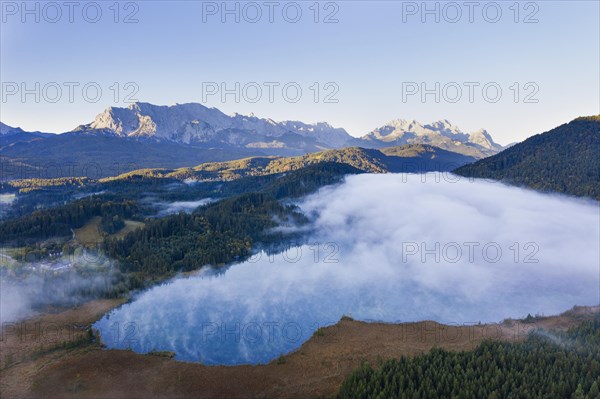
[
  {"x": 545, "y": 365},
  {"x": 58, "y": 221}
]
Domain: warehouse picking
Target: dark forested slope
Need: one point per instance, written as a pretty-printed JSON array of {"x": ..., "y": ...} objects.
[
  {"x": 565, "y": 160},
  {"x": 546, "y": 365}
]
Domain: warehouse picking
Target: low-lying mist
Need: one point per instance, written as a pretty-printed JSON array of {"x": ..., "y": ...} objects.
[
  {"x": 383, "y": 247},
  {"x": 68, "y": 282},
  {"x": 168, "y": 208}
]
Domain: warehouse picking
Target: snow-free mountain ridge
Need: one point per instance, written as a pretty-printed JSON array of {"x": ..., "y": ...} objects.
[{"x": 196, "y": 124}]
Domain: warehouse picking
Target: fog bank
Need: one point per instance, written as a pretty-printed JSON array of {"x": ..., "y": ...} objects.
[{"x": 388, "y": 248}]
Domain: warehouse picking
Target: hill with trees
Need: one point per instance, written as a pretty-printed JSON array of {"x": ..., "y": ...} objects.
[
  {"x": 406, "y": 158},
  {"x": 216, "y": 233},
  {"x": 565, "y": 160},
  {"x": 545, "y": 365}
]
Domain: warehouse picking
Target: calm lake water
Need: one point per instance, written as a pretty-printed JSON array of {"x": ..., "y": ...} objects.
[{"x": 386, "y": 248}]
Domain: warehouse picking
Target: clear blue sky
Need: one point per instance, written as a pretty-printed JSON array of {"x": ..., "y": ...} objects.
[{"x": 369, "y": 54}]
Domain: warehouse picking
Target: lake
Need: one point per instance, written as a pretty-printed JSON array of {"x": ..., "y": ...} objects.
[{"x": 388, "y": 248}]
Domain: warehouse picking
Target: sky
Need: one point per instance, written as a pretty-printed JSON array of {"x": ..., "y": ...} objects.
[{"x": 513, "y": 68}]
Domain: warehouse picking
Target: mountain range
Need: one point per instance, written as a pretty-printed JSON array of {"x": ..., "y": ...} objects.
[
  {"x": 10, "y": 135},
  {"x": 148, "y": 135},
  {"x": 198, "y": 125},
  {"x": 440, "y": 134},
  {"x": 565, "y": 159}
]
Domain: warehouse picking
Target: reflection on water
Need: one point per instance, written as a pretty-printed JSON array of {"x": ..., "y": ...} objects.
[{"x": 388, "y": 248}]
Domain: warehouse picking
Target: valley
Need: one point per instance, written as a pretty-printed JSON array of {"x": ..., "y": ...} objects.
[
  {"x": 144, "y": 135},
  {"x": 295, "y": 249},
  {"x": 299, "y": 199}
]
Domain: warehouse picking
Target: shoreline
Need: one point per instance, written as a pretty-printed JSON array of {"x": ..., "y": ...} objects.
[{"x": 43, "y": 365}]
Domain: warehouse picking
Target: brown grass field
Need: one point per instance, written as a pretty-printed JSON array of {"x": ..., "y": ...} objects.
[
  {"x": 35, "y": 364},
  {"x": 130, "y": 225},
  {"x": 92, "y": 233}
]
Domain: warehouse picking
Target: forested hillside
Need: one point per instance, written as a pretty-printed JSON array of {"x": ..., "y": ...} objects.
[
  {"x": 546, "y": 365},
  {"x": 565, "y": 160},
  {"x": 218, "y": 233},
  {"x": 407, "y": 158},
  {"x": 61, "y": 220},
  {"x": 249, "y": 173},
  {"x": 94, "y": 156},
  {"x": 223, "y": 231}
]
